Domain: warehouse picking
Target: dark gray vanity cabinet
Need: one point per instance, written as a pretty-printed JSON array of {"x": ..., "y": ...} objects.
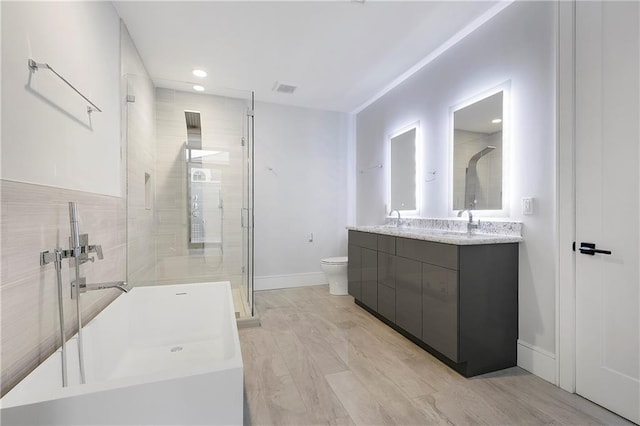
[
  {"x": 362, "y": 267},
  {"x": 459, "y": 302},
  {"x": 387, "y": 286},
  {"x": 440, "y": 309},
  {"x": 354, "y": 271},
  {"x": 409, "y": 296},
  {"x": 387, "y": 277},
  {"x": 370, "y": 278},
  {"x": 488, "y": 307}
]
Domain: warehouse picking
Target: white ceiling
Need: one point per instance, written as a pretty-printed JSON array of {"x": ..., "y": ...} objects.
[{"x": 340, "y": 54}]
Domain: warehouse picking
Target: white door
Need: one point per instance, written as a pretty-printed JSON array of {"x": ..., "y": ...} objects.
[{"x": 607, "y": 207}]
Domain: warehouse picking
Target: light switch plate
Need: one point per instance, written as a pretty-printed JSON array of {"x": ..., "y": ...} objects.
[{"x": 527, "y": 206}]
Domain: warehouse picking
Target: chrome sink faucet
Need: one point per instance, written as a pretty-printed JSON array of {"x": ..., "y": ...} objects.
[
  {"x": 461, "y": 212},
  {"x": 398, "y": 212},
  {"x": 470, "y": 225}
]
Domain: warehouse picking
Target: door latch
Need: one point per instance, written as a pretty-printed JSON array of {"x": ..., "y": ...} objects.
[{"x": 590, "y": 249}]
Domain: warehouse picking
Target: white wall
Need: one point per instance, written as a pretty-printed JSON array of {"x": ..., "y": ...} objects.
[
  {"x": 519, "y": 44},
  {"x": 57, "y": 143},
  {"x": 300, "y": 188}
]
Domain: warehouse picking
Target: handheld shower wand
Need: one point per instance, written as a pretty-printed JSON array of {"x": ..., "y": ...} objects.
[{"x": 75, "y": 289}]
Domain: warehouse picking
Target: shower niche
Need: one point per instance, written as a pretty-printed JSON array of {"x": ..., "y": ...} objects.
[{"x": 477, "y": 154}]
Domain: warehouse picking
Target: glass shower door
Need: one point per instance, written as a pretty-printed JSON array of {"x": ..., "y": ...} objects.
[
  {"x": 247, "y": 207},
  {"x": 189, "y": 187}
]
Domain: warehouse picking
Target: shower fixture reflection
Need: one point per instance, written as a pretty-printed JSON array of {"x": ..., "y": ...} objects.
[{"x": 472, "y": 183}]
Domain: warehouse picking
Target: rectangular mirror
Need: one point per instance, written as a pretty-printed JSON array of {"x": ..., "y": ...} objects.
[
  {"x": 477, "y": 155},
  {"x": 403, "y": 171}
]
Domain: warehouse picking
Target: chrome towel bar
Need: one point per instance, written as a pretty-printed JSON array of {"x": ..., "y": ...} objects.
[{"x": 34, "y": 66}]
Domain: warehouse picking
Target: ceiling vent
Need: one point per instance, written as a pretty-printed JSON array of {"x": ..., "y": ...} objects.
[{"x": 284, "y": 88}]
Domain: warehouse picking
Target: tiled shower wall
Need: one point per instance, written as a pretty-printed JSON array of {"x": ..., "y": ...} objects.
[
  {"x": 141, "y": 179},
  {"x": 36, "y": 218},
  {"x": 222, "y": 130},
  {"x": 489, "y": 192}
]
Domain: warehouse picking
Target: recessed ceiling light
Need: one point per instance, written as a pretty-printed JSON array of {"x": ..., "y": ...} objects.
[
  {"x": 199, "y": 73},
  {"x": 496, "y": 120},
  {"x": 198, "y": 88}
]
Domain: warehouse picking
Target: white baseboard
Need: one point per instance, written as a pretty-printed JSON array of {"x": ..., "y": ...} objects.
[
  {"x": 537, "y": 361},
  {"x": 272, "y": 282}
]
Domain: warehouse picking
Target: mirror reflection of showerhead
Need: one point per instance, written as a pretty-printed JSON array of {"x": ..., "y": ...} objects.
[
  {"x": 471, "y": 178},
  {"x": 482, "y": 153}
]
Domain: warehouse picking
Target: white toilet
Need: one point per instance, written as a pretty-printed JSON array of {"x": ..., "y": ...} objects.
[{"x": 335, "y": 269}]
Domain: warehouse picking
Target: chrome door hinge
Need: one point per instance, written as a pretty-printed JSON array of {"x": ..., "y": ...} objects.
[{"x": 249, "y": 112}]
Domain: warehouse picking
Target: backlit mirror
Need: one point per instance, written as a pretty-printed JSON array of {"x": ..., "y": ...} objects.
[
  {"x": 477, "y": 155},
  {"x": 403, "y": 170}
]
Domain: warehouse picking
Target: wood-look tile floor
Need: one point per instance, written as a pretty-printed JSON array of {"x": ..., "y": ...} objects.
[{"x": 320, "y": 359}]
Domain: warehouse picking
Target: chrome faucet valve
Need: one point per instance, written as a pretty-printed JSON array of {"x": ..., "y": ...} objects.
[{"x": 97, "y": 249}]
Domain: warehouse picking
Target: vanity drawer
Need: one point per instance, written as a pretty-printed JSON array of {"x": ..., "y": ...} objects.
[
  {"x": 445, "y": 255},
  {"x": 387, "y": 244},
  {"x": 363, "y": 239}
]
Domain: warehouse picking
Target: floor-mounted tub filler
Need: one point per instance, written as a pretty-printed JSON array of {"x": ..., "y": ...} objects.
[{"x": 156, "y": 355}]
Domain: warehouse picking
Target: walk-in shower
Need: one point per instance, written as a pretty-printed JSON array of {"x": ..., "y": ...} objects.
[{"x": 189, "y": 187}]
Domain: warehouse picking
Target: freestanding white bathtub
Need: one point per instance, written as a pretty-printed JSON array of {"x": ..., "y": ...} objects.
[{"x": 156, "y": 355}]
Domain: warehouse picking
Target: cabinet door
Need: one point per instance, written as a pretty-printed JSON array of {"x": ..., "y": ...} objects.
[
  {"x": 409, "y": 296},
  {"x": 387, "y": 286},
  {"x": 440, "y": 309},
  {"x": 354, "y": 271},
  {"x": 387, "y": 269},
  {"x": 364, "y": 239},
  {"x": 387, "y": 244},
  {"x": 445, "y": 255},
  {"x": 370, "y": 278}
]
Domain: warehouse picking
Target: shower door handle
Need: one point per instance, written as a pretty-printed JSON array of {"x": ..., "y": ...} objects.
[{"x": 244, "y": 222}]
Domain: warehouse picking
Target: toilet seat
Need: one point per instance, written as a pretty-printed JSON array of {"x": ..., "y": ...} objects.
[{"x": 335, "y": 260}]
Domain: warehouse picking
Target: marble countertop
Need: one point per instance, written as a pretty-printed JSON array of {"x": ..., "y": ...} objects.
[{"x": 439, "y": 235}]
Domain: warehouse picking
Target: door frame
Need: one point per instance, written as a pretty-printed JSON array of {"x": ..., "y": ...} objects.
[{"x": 565, "y": 323}]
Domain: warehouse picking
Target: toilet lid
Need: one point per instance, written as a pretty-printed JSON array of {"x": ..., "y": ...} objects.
[{"x": 335, "y": 260}]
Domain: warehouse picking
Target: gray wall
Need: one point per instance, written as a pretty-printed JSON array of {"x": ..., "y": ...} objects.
[{"x": 519, "y": 45}]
